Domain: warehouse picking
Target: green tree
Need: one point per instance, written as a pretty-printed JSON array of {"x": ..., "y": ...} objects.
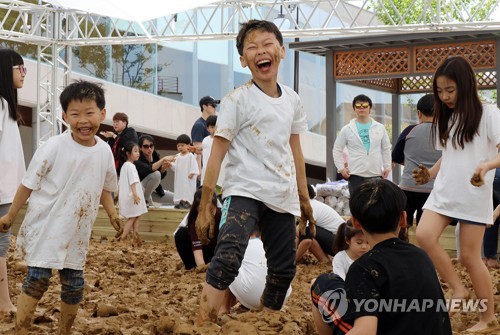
[{"x": 397, "y": 12}]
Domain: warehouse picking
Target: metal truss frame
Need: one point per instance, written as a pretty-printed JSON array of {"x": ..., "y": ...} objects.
[{"x": 56, "y": 30}]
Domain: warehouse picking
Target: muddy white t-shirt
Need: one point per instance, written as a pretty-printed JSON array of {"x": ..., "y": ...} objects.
[
  {"x": 453, "y": 195},
  {"x": 67, "y": 180},
  {"x": 259, "y": 160}
]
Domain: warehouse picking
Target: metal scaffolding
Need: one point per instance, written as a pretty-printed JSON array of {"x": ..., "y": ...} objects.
[{"x": 56, "y": 30}]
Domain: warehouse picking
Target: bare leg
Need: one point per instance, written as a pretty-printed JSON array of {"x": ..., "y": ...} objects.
[
  {"x": 321, "y": 326},
  {"x": 318, "y": 252},
  {"x": 302, "y": 248},
  {"x": 6, "y": 305},
  {"x": 26, "y": 306},
  {"x": 471, "y": 239},
  {"x": 429, "y": 229},
  {"x": 229, "y": 301},
  {"x": 136, "y": 225},
  {"x": 211, "y": 300},
  {"x": 126, "y": 229},
  {"x": 68, "y": 315}
]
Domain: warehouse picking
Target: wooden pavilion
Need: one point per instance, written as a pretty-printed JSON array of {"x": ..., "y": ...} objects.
[{"x": 398, "y": 64}]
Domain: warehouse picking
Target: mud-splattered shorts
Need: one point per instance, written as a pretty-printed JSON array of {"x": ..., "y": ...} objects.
[
  {"x": 240, "y": 215},
  {"x": 328, "y": 296},
  {"x": 4, "y": 237},
  {"x": 72, "y": 284}
]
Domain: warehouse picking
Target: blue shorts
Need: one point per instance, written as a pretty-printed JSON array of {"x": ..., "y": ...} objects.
[{"x": 72, "y": 284}]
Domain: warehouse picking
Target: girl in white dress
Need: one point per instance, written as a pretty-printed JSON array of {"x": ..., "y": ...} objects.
[
  {"x": 468, "y": 134},
  {"x": 130, "y": 196}
]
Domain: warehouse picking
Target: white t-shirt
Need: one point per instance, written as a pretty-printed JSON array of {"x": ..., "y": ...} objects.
[
  {"x": 260, "y": 164},
  {"x": 453, "y": 195},
  {"x": 326, "y": 217},
  {"x": 207, "y": 149},
  {"x": 129, "y": 177},
  {"x": 12, "y": 166},
  {"x": 249, "y": 285},
  {"x": 184, "y": 188},
  {"x": 341, "y": 263},
  {"x": 67, "y": 180}
]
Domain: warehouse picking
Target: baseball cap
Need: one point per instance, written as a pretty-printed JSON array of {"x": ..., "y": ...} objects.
[{"x": 208, "y": 100}]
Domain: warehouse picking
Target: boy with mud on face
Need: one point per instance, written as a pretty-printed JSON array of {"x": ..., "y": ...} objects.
[
  {"x": 67, "y": 178},
  {"x": 258, "y": 127}
]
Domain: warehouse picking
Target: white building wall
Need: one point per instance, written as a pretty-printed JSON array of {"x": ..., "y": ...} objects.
[{"x": 153, "y": 114}]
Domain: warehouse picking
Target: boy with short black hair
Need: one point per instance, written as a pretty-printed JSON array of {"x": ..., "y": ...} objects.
[
  {"x": 186, "y": 170},
  {"x": 66, "y": 179},
  {"x": 392, "y": 272},
  {"x": 258, "y": 126},
  {"x": 206, "y": 146}
]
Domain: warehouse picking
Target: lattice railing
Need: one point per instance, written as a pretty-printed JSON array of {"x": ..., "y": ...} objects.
[
  {"x": 366, "y": 63},
  {"x": 481, "y": 55}
]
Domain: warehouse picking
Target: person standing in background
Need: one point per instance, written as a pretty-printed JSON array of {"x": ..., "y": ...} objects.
[
  {"x": 118, "y": 140},
  {"x": 368, "y": 146},
  {"x": 12, "y": 74},
  {"x": 413, "y": 147},
  {"x": 199, "y": 131}
]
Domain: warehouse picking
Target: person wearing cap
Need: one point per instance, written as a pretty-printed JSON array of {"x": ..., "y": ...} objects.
[{"x": 199, "y": 130}]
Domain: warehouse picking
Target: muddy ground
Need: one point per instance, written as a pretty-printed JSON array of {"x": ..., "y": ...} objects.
[{"x": 145, "y": 290}]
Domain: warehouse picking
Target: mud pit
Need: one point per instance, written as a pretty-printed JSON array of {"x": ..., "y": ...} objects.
[{"x": 145, "y": 290}]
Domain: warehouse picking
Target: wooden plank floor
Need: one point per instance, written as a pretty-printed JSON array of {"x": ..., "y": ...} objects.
[
  {"x": 160, "y": 223},
  {"x": 156, "y": 225}
]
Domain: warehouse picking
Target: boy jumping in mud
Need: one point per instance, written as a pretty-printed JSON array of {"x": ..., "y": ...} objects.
[
  {"x": 265, "y": 186},
  {"x": 67, "y": 178}
]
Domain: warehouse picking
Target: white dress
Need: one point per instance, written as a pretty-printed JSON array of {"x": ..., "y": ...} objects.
[
  {"x": 453, "y": 195},
  {"x": 184, "y": 188},
  {"x": 67, "y": 180},
  {"x": 249, "y": 285},
  {"x": 260, "y": 163},
  {"x": 12, "y": 166},
  {"x": 130, "y": 178}
]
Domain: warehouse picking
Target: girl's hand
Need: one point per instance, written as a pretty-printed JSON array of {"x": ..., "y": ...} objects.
[
  {"x": 478, "y": 176},
  {"x": 421, "y": 175},
  {"x": 191, "y": 175},
  {"x": 137, "y": 200}
]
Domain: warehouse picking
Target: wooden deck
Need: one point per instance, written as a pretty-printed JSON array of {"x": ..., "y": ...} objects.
[
  {"x": 156, "y": 225},
  {"x": 160, "y": 223}
]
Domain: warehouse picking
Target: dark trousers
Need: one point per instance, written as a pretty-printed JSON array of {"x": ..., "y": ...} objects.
[
  {"x": 414, "y": 203},
  {"x": 490, "y": 240},
  {"x": 240, "y": 216},
  {"x": 185, "y": 249}
]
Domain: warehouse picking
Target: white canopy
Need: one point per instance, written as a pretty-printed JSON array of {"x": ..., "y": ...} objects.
[{"x": 132, "y": 10}]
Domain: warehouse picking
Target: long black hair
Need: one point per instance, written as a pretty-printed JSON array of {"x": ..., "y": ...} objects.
[
  {"x": 468, "y": 110},
  {"x": 8, "y": 59}
]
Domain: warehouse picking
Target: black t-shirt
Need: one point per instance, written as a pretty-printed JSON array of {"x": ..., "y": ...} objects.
[{"x": 397, "y": 283}]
